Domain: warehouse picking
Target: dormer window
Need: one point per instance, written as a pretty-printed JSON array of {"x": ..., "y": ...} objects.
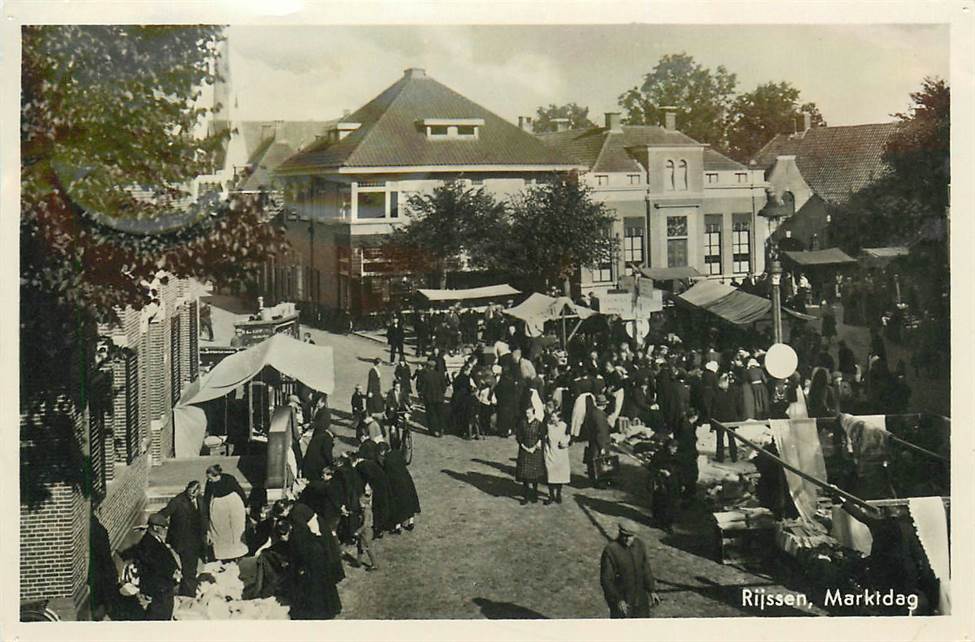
[
  {"x": 452, "y": 128},
  {"x": 342, "y": 129}
]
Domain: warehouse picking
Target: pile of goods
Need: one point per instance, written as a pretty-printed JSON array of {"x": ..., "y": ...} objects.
[{"x": 219, "y": 596}]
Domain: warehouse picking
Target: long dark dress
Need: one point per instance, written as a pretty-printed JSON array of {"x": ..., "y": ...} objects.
[
  {"x": 382, "y": 495},
  {"x": 314, "y": 577},
  {"x": 531, "y": 465},
  {"x": 405, "y": 503},
  {"x": 508, "y": 394}
]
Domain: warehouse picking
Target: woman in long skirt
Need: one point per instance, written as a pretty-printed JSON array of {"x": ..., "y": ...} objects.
[
  {"x": 406, "y": 503},
  {"x": 530, "y": 467},
  {"x": 225, "y": 500},
  {"x": 557, "y": 468}
]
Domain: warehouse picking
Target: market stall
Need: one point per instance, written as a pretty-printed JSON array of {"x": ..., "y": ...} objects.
[
  {"x": 469, "y": 297},
  {"x": 310, "y": 364},
  {"x": 873, "y": 258},
  {"x": 731, "y": 304}
]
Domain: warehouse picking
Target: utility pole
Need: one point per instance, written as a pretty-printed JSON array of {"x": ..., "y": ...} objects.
[{"x": 775, "y": 271}]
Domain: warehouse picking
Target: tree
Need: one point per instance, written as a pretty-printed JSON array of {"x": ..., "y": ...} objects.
[
  {"x": 447, "y": 229},
  {"x": 578, "y": 117},
  {"x": 553, "y": 229},
  {"x": 757, "y": 116},
  {"x": 908, "y": 204},
  {"x": 108, "y": 149},
  {"x": 703, "y": 96}
]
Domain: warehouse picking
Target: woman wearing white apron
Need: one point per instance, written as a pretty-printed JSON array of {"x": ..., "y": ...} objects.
[{"x": 225, "y": 501}]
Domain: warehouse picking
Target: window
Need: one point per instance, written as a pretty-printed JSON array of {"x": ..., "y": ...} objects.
[
  {"x": 712, "y": 243},
  {"x": 676, "y": 241},
  {"x": 393, "y": 205},
  {"x": 633, "y": 240},
  {"x": 603, "y": 273},
  {"x": 634, "y": 179},
  {"x": 602, "y": 180},
  {"x": 741, "y": 177},
  {"x": 438, "y": 130},
  {"x": 371, "y": 205},
  {"x": 467, "y": 130},
  {"x": 476, "y": 182},
  {"x": 669, "y": 181},
  {"x": 345, "y": 201},
  {"x": 174, "y": 360},
  {"x": 741, "y": 243},
  {"x": 682, "y": 175},
  {"x": 712, "y": 178}
]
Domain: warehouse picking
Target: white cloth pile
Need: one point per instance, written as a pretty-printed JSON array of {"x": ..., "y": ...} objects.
[{"x": 221, "y": 599}]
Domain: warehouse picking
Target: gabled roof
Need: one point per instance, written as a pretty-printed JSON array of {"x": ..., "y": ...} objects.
[
  {"x": 605, "y": 151},
  {"x": 296, "y": 133},
  {"x": 264, "y": 163},
  {"x": 390, "y": 135},
  {"x": 834, "y": 161}
]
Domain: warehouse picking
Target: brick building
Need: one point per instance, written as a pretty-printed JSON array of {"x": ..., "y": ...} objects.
[
  {"x": 95, "y": 460},
  {"x": 809, "y": 170},
  {"x": 350, "y": 188}
]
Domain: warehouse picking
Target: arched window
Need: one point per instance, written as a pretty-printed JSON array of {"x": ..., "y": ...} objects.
[
  {"x": 669, "y": 180},
  {"x": 682, "y": 175}
]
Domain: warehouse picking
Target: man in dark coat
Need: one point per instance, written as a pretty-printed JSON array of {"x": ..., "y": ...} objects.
[
  {"x": 396, "y": 336},
  {"x": 186, "y": 534},
  {"x": 318, "y": 455},
  {"x": 374, "y": 390},
  {"x": 431, "y": 386},
  {"x": 626, "y": 576},
  {"x": 598, "y": 431},
  {"x": 726, "y": 408},
  {"x": 382, "y": 496},
  {"x": 159, "y": 570}
]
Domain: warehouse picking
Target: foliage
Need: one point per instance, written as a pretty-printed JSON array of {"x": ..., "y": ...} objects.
[
  {"x": 704, "y": 98},
  {"x": 908, "y": 205},
  {"x": 109, "y": 147},
  {"x": 757, "y": 116},
  {"x": 553, "y": 229},
  {"x": 447, "y": 227},
  {"x": 578, "y": 117}
]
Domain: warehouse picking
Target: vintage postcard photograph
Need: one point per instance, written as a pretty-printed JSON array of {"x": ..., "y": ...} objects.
[{"x": 542, "y": 321}]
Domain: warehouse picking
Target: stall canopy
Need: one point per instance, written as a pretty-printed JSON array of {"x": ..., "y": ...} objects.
[
  {"x": 539, "y": 308},
  {"x": 813, "y": 258},
  {"x": 670, "y": 273},
  {"x": 312, "y": 365},
  {"x": 730, "y": 303},
  {"x": 882, "y": 256},
  {"x": 486, "y": 292}
]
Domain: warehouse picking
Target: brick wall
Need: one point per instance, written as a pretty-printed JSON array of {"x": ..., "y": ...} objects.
[{"x": 54, "y": 534}]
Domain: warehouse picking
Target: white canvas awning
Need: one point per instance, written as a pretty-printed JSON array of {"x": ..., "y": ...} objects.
[
  {"x": 539, "y": 308},
  {"x": 486, "y": 292}
]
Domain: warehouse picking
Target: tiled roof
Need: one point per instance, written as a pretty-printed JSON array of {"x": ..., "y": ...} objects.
[
  {"x": 268, "y": 160},
  {"x": 389, "y": 134},
  {"x": 605, "y": 151},
  {"x": 717, "y": 162},
  {"x": 297, "y": 133},
  {"x": 834, "y": 161}
]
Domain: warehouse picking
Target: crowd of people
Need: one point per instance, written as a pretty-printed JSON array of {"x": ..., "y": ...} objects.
[{"x": 295, "y": 549}]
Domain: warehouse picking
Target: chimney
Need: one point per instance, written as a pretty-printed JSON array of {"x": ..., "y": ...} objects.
[
  {"x": 806, "y": 121},
  {"x": 670, "y": 117},
  {"x": 561, "y": 124},
  {"x": 613, "y": 122},
  {"x": 525, "y": 123},
  {"x": 415, "y": 72}
]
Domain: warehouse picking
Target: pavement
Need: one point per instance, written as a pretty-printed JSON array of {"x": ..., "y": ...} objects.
[{"x": 477, "y": 552}]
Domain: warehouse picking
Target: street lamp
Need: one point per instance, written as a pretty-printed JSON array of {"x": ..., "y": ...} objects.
[{"x": 775, "y": 271}]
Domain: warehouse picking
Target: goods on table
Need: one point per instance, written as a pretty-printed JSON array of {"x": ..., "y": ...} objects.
[{"x": 221, "y": 598}]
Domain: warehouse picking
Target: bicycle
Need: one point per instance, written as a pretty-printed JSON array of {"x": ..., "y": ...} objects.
[{"x": 401, "y": 435}]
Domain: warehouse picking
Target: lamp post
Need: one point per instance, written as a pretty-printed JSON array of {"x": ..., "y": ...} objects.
[{"x": 775, "y": 271}]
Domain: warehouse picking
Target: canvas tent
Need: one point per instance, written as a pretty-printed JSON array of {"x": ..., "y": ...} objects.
[
  {"x": 878, "y": 257},
  {"x": 813, "y": 258},
  {"x": 730, "y": 303},
  {"x": 539, "y": 308},
  {"x": 312, "y": 365},
  {"x": 469, "y": 294},
  {"x": 670, "y": 273}
]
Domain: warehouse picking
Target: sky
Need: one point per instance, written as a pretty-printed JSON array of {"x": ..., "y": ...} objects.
[{"x": 854, "y": 73}]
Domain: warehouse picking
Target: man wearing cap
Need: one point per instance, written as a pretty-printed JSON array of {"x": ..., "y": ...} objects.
[
  {"x": 626, "y": 576},
  {"x": 159, "y": 568},
  {"x": 186, "y": 533},
  {"x": 598, "y": 424}
]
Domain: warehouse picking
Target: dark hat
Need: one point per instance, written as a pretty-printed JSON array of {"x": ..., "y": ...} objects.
[
  {"x": 626, "y": 527},
  {"x": 601, "y": 400},
  {"x": 158, "y": 519}
]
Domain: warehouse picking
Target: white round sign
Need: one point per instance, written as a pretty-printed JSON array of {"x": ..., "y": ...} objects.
[{"x": 781, "y": 361}]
